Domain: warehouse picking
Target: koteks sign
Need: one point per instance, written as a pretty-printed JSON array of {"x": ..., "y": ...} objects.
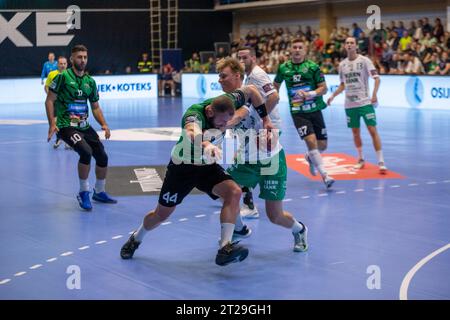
[{"x": 109, "y": 87}]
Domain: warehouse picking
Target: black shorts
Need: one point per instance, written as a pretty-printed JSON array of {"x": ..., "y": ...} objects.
[
  {"x": 71, "y": 135},
  {"x": 309, "y": 123},
  {"x": 86, "y": 143},
  {"x": 182, "y": 178}
]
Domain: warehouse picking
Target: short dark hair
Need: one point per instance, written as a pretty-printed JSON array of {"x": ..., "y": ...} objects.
[
  {"x": 295, "y": 40},
  {"x": 223, "y": 104},
  {"x": 250, "y": 49},
  {"x": 79, "y": 47}
]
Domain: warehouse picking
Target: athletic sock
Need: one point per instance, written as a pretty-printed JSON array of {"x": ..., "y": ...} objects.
[
  {"x": 297, "y": 227},
  {"x": 140, "y": 233},
  {"x": 226, "y": 233},
  {"x": 84, "y": 185},
  {"x": 316, "y": 159},
  {"x": 100, "y": 185}
]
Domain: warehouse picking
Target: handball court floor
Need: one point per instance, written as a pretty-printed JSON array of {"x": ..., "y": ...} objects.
[{"x": 370, "y": 237}]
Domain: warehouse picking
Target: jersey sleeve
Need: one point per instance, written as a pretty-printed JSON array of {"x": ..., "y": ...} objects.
[
  {"x": 263, "y": 83},
  {"x": 50, "y": 78},
  {"x": 341, "y": 73},
  {"x": 193, "y": 116},
  {"x": 94, "y": 97},
  {"x": 317, "y": 74},
  {"x": 238, "y": 98},
  {"x": 371, "y": 68},
  {"x": 57, "y": 83},
  {"x": 279, "y": 76}
]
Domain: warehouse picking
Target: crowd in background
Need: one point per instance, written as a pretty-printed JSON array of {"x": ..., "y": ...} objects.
[{"x": 420, "y": 48}]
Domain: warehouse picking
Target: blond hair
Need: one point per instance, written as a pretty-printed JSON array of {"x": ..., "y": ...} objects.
[{"x": 233, "y": 64}]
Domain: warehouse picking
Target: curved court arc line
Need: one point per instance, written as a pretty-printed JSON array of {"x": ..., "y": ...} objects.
[{"x": 407, "y": 279}]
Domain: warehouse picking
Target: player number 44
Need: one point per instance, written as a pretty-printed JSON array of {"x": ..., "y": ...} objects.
[{"x": 166, "y": 196}]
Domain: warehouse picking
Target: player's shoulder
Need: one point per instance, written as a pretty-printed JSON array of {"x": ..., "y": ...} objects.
[
  {"x": 258, "y": 74},
  {"x": 311, "y": 64},
  {"x": 286, "y": 65},
  {"x": 364, "y": 59}
]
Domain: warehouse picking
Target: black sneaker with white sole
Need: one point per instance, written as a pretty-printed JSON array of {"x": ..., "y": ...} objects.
[
  {"x": 129, "y": 248},
  {"x": 231, "y": 253}
]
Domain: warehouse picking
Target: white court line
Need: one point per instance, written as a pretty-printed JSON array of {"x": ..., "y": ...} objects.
[
  {"x": 431, "y": 182},
  {"x": 65, "y": 254},
  {"x": 101, "y": 242},
  {"x": 84, "y": 248},
  {"x": 166, "y": 223},
  {"x": 217, "y": 212},
  {"x": 200, "y": 215},
  {"x": 131, "y": 232},
  {"x": 446, "y": 181},
  {"x": 322, "y": 195},
  {"x": 287, "y": 200},
  {"x": 18, "y": 274},
  {"x": 51, "y": 259},
  {"x": 413, "y": 184},
  {"x": 341, "y": 192},
  {"x": 377, "y": 188},
  {"x": 5, "y": 281},
  {"x": 305, "y": 197},
  {"x": 395, "y": 186},
  {"x": 36, "y": 266},
  {"x": 117, "y": 237},
  {"x": 412, "y": 272},
  {"x": 358, "y": 190},
  {"x": 183, "y": 219}
]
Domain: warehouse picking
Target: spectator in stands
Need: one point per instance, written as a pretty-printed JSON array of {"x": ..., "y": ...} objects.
[
  {"x": 413, "y": 64},
  {"x": 167, "y": 80},
  {"x": 145, "y": 65},
  {"x": 438, "y": 30},
  {"x": 426, "y": 26},
  {"x": 431, "y": 62},
  {"x": 443, "y": 67},
  {"x": 418, "y": 33},
  {"x": 405, "y": 41},
  {"x": 356, "y": 30},
  {"x": 49, "y": 66},
  {"x": 221, "y": 53},
  {"x": 193, "y": 64},
  {"x": 128, "y": 70},
  {"x": 363, "y": 43}
]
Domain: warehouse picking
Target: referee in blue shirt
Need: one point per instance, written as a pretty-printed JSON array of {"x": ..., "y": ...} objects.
[{"x": 49, "y": 66}]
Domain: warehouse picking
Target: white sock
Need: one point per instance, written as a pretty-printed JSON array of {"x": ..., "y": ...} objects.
[
  {"x": 100, "y": 185},
  {"x": 360, "y": 153},
  {"x": 239, "y": 223},
  {"x": 380, "y": 156},
  {"x": 297, "y": 227},
  {"x": 316, "y": 159},
  {"x": 226, "y": 233},
  {"x": 84, "y": 185},
  {"x": 140, "y": 233}
]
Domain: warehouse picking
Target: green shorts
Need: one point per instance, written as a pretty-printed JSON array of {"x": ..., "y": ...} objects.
[
  {"x": 271, "y": 177},
  {"x": 354, "y": 115}
]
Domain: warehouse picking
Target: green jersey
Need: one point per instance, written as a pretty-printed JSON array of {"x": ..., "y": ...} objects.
[
  {"x": 73, "y": 92},
  {"x": 196, "y": 113},
  {"x": 303, "y": 76}
]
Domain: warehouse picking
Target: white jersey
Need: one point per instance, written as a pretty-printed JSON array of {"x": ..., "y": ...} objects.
[
  {"x": 250, "y": 148},
  {"x": 259, "y": 78},
  {"x": 355, "y": 75}
]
